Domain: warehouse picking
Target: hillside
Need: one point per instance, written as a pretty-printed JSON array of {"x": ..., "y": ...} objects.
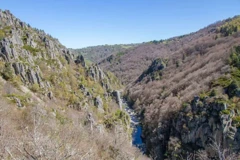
[
  {"x": 129, "y": 65},
  {"x": 186, "y": 89},
  {"x": 56, "y": 104},
  {"x": 97, "y": 53},
  {"x": 53, "y": 105}
]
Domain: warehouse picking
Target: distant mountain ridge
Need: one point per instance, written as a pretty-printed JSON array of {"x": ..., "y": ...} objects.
[{"x": 98, "y": 53}]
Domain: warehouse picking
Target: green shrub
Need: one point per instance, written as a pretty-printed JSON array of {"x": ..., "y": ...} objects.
[
  {"x": 203, "y": 95},
  {"x": 185, "y": 104},
  {"x": 119, "y": 54},
  {"x": 35, "y": 87},
  {"x": 7, "y": 72},
  {"x": 223, "y": 82},
  {"x": 24, "y": 39},
  {"x": 236, "y": 121},
  {"x": 2, "y": 35},
  {"x": 6, "y": 31},
  {"x": 230, "y": 27},
  {"x": 116, "y": 117},
  {"x": 213, "y": 93},
  {"x": 16, "y": 81},
  {"x": 61, "y": 118},
  {"x": 31, "y": 49},
  {"x": 24, "y": 98},
  {"x": 226, "y": 111}
]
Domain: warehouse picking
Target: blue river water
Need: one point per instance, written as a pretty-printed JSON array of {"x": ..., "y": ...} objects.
[{"x": 136, "y": 126}]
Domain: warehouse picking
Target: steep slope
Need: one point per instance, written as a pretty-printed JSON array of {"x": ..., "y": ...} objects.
[
  {"x": 164, "y": 76},
  {"x": 53, "y": 106},
  {"x": 173, "y": 81},
  {"x": 136, "y": 60},
  {"x": 97, "y": 53}
]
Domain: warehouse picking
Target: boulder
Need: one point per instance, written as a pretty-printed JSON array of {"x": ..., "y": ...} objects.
[
  {"x": 91, "y": 120},
  {"x": 50, "y": 95},
  {"x": 99, "y": 103},
  {"x": 19, "y": 104}
]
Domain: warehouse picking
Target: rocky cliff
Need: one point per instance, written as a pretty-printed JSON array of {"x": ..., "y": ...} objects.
[{"x": 54, "y": 105}]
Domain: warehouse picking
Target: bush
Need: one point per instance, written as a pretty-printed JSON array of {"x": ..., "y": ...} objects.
[
  {"x": 230, "y": 27},
  {"x": 35, "y": 87},
  {"x": 223, "y": 82},
  {"x": 6, "y": 31},
  {"x": 2, "y": 35},
  {"x": 31, "y": 49},
  {"x": 16, "y": 81},
  {"x": 61, "y": 118},
  {"x": 24, "y": 98},
  {"x": 7, "y": 72},
  {"x": 213, "y": 93},
  {"x": 226, "y": 111},
  {"x": 236, "y": 121},
  {"x": 24, "y": 39},
  {"x": 185, "y": 104}
]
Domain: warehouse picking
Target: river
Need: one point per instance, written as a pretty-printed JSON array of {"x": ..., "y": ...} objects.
[{"x": 136, "y": 126}]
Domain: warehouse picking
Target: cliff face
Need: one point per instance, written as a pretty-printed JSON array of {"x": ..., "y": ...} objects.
[
  {"x": 203, "y": 124},
  {"x": 202, "y": 127},
  {"x": 53, "y": 105}
]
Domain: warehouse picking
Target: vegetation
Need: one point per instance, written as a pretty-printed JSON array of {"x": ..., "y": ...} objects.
[
  {"x": 6, "y": 31},
  {"x": 119, "y": 115},
  {"x": 48, "y": 102},
  {"x": 24, "y": 99},
  {"x": 59, "y": 120},
  {"x": 97, "y": 53},
  {"x": 7, "y": 72},
  {"x": 230, "y": 27},
  {"x": 31, "y": 49},
  {"x": 35, "y": 87},
  {"x": 196, "y": 66}
]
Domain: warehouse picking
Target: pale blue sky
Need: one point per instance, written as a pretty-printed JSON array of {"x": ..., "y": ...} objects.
[{"x": 81, "y": 23}]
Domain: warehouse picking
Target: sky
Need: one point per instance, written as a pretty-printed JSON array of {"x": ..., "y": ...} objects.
[{"x": 82, "y": 23}]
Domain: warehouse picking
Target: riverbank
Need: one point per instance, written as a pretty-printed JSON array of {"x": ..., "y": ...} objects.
[{"x": 136, "y": 127}]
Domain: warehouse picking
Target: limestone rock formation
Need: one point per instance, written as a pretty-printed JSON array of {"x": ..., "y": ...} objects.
[
  {"x": 198, "y": 125},
  {"x": 97, "y": 74},
  {"x": 117, "y": 96},
  {"x": 80, "y": 60},
  {"x": 99, "y": 103},
  {"x": 154, "y": 70},
  {"x": 54, "y": 93}
]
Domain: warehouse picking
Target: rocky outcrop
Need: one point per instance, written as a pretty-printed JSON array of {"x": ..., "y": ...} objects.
[
  {"x": 99, "y": 103},
  {"x": 117, "y": 96},
  {"x": 7, "y": 52},
  {"x": 197, "y": 126},
  {"x": 97, "y": 74},
  {"x": 33, "y": 77},
  {"x": 23, "y": 46},
  {"x": 154, "y": 70},
  {"x": 19, "y": 104},
  {"x": 90, "y": 120},
  {"x": 33, "y": 65},
  {"x": 50, "y": 95},
  {"x": 80, "y": 60}
]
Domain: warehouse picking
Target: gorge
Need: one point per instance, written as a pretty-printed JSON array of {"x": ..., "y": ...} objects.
[{"x": 170, "y": 99}]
